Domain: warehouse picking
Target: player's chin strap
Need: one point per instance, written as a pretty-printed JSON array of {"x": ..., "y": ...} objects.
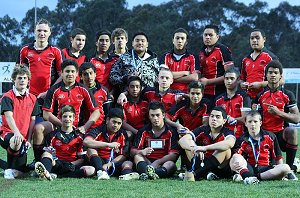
[{"x": 111, "y": 160}]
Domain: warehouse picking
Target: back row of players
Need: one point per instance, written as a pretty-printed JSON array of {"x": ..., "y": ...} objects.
[{"x": 155, "y": 148}]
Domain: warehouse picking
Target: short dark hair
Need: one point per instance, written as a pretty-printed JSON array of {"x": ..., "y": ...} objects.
[
  {"x": 196, "y": 85},
  {"x": 219, "y": 108},
  {"x": 68, "y": 62},
  {"x": 253, "y": 113},
  {"x": 259, "y": 30},
  {"x": 233, "y": 70},
  {"x": 118, "y": 32},
  {"x": 157, "y": 105},
  {"x": 102, "y": 32},
  {"x": 44, "y": 21},
  {"x": 86, "y": 65},
  {"x": 181, "y": 30},
  {"x": 214, "y": 27},
  {"x": 77, "y": 31},
  {"x": 67, "y": 108},
  {"x": 140, "y": 33},
  {"x": 115, "y": 113},
  {"x": 134, "y": 78},
  {"x": 274, "y": 64}
]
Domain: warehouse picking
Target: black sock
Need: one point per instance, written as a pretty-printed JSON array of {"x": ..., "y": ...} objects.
[
  {"x": 126, "y": 171},
  {"x": 3, "y": 164},
  {"x": 291, "y": 151},
  {"x": 96, "y": 162},
  {"x": 162, "y": 172},
  {"x": 245, "y": 173},
  {"x": 209, "y": 164},
  {"x": 141, "y": 167},
  {"x": 12, "y": 158},
  {"x": 47, "y": 162},
  {"x": 38, "y": 151}
]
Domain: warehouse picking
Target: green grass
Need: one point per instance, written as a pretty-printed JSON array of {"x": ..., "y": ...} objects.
[{"x": 33, "y": 187}]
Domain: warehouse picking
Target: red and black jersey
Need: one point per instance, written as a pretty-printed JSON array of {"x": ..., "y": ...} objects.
[
  {"x": 44, "y": 66},
  {"x": 202, "y": 137},
  {"x": 281, "y": 98},
  {"x": 135, "y": 114},
  {"x": 68, "y": 146},
  {"x": 22, "y": 107},
  {"x": 101, "y": 134},
  {"x": 254, "y": 70},
  {"x": 66, "y": 53},
  {"x": 233, "y": 107},
  {"x": 267, "y": 148},
  {"x": 103, "y": 69},
  {"x": 187, "y": 62},
  {"x": 77, "y": 95},
  {"x": 169, "y": 138},
  {"x": 168, "y": 99},
  {"x": 186, "y": 116},
  {"x": 213, "y": 66}
]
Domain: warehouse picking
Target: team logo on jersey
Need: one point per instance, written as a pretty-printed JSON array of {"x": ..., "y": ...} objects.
[
  {"x": 262, "y": 63},
  {"x": 206, "y": 142},
  {"x": 213, "y": 59},
  {"x": 224, "y": 106},
  {"x": 97, "y": 65},
  {"x": 30, "y": 54},
  {"x": 79, "y": 97},
  {"x": 58, "y": 143},
  {"x": 248, "y": 149},
  {"x": 186, "y": 117},
  {"x": 100, "y": 99},
  {"x": 129, "y": 110},
  {"x": 50, "y": 55},
  {"x": 144, "y": 110},
  {"x": 60, "y": 96},
  {"x": 170, "y": 62},
  {"x": 247, "y": 63}
]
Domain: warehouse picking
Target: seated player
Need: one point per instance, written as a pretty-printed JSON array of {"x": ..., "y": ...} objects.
[
  {"x": 209, "y": 148},
  {"x": 64, "y": 151},
  {"x": 155, "y": 148},
  {"x": 18, "y": 109},
  {"x": 108, "y": 148},
  {"x": 259, "y": 148}
]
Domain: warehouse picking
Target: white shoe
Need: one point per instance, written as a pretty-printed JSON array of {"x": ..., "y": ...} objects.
[
  {"x": 129, "y": 176},
  {"x": 102, "y": 175},
  {"x": 237, "y": 178},
  {"x": 42, "y": 171},
  {"x": 181, "y": 176},
  {"x": 251, "y": 180},
  {"x": 297, "y": 164},
  {"x": 211, "y": 176},
  {"x": 291, "y": 176},
  {"x": 9, "y": 174}
]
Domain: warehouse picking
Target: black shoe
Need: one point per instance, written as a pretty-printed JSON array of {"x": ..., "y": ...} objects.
[{"x": 30, "y": 166}]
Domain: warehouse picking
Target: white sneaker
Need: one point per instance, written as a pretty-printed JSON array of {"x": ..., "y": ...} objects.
[
  {"x": 251, "y": 180},
  {"x": 211, "y": 176},
  {"x": 129, "y": 176},
  {"x": 42, "y": 171},
  {"x": 181, "y": 176},
  {"x": 102, "y": 175},
  {"x": 9, "y": 174},
  {"x": 237, "y": 178},
  {"x": 291, "y": 176},
  {"x": 297, "y": 164}
]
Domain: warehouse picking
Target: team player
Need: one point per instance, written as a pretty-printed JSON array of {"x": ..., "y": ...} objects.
[
  {"x": 236, "y": 102},
  {"x": 155, "y": 148},
  {"x": 108, "y": 148},
  {"x": 43, "y": 60},
  {"x": 18, "y": 109},
  {"x": 119, "y": 38},
  {"x": 259, "y": 148},
  {"x": 279, "y": 106},
  {"x": 63, "y": 154},
  {"x": 215, "y": 59},
  {"x": 184, "y": 65},
  {"x": 253, "y": 65},
  {"x": 77, "y": 39},
  {"x": 209, "y": 148}
]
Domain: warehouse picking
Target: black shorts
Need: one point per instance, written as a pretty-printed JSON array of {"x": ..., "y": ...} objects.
[
  {"x": 255, "y": 170},
  {"x": 282, "y": 143}
]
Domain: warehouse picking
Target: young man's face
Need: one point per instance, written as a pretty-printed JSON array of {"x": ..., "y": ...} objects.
[
  {"x": 103, "y": 43},
  {"x": 42, "y": 32},
  {"x": 230, "y": 81},
  {"x": 69, "y": 74},
  {"x": 78, "y": 42},
  {"x": 210, "y": 37},
  {"x": 156, "y": 118},
  {"x": 273, "y": 75},
  {"x": 21, "y": 82},
  {"x": 140, "y": 43},
  {"x": 195, "y": 95},
  {"x": 216, "y": 119},
  {"x": 134, "y": 89},
  {"x": 257, "y": 41},
  {"x": 120, "y": 41},
  {"x": 67, "y": 119},
  {"x": 180, "y": 40},
  {"x": 253, "y": 124},
  {"x": 165, "y": 79},
  {"x": 113, "y": 124},
  {"x": 88, "y": 77}
]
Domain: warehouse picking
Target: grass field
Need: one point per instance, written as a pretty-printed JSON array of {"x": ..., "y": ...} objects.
[{"x": 33, "y": 187}]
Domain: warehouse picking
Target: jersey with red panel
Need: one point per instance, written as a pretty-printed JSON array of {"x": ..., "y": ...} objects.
[
  {"x": 44, "y": 66},
  {"x": 185, "y": 114},
  {"x": 267, "y": 148},
  {"x": 177, "y": 63},
  {"x": 213, "y": 66},
  {"x": 202, "y": 137},
  {"x": 22, "y": 107},
  {"x": 281, "y": 98},
  {"x": 66, "y": 53},
  {"x": 68, "y": 146},
  {"x": 101, "y": 134},
  {"x": 167, "y": 141},
  {"x": 233, "y": 108},
  {"x": 254, "y": 70},
  {"x": 103, "y": 69},
  {"x": 77, "y": 95}
]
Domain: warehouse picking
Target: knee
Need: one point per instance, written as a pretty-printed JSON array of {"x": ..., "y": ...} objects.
[
  {"x": 290, "y": 134},
  {"x": 89, "y": 170},
  {"x": 91, "y": 152},
  {"x": 285, "y": 168},
  {"x": 127, "y": 165},
  {"x": 137, "y": 158},
  {"x": 169, "y": 164},
  {"x": 38, "y": 130},
  {"x": 15, "y": 143}
]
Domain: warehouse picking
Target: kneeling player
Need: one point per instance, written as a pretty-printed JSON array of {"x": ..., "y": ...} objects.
[{"x": 64, "y": 151}]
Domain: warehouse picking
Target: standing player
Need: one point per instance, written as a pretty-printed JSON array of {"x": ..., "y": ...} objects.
[
  {"x": 279, "y": 106},
  {"x": 184, "y": 66},
  {"x": 18, "y": 110},
  {"x": 119, "y": 38},
  {"x": 215, "y": 59},
  {"x": 155, "y": 148}
]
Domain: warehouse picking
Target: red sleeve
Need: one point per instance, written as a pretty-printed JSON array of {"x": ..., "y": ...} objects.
[{"x": 58, "y": 60}]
